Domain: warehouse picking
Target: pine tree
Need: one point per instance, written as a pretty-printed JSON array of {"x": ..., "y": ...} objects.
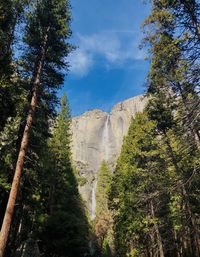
[
  {"x": 6, "y": 39},
  {"x": 11, "y": 13},
  {"x": 103, "y": 221},
  {"x": 172, "y": 72},
  {"x": 46, "y": 32},
  {"x": 174, "y": 106},
  {"x": 6, "y": 35},
  {"x": 140, "y": 181},
  {"x": 65, "y": 224},
  {"x": 103, "y": 185}
]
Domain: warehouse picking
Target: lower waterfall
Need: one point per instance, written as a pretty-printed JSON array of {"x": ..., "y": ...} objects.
[{"x": 93, "y": 205}]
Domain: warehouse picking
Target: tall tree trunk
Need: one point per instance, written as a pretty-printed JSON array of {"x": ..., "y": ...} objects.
[
  {"x": 151, "y": 244},
  {"x": 158, "y": 236},
  {"x": 23, "y": 148},
  {"x": 193, "y": 225},
  {"x": 178, "y": 246},
  {"x": 190, "y": 215}
]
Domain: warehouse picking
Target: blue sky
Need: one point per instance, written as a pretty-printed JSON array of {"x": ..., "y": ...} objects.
[{"x": 107, "y": 67}]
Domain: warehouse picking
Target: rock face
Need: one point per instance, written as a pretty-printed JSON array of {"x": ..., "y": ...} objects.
[{"x": 98, "y": 136}]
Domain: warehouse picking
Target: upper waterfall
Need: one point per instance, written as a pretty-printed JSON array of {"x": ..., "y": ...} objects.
[{"x": 105, "y": 138}]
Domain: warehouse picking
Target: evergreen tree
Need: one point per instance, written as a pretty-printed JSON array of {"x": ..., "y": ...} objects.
[
  {"x": 174, "y": 105},
  {"x": 11, "y": 14},
  {"x": 103, "y": 185},
  {"x": 46, "y": 31},
  {"x": 6, "y": 35},
  {"x": 140, "y": 182},
  {"x": 103, "y": 220},
  {"x": 154, "y": 191},
  {"x": 172, "y": 73},
  {"x": 7, "y": 24},
  {"x": 65, "y": 224}
]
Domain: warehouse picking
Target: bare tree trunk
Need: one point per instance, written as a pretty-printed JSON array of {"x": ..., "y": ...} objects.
[
  {"x": 193, "y": 226},
  {"x": 23, "y": 148},
  {"x": 158, "y": 236},
  {"x": 190, "y": 215},
  {"x": 152, "y": 244},
  {"x": 177, "y": 250}
]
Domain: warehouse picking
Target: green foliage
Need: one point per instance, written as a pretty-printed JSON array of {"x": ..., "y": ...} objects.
[
  {"x": 103, "y": 221},
  {"x": 154, "y": 189},
  {"x": 62, "y": 135},
  {"x": 154, "y": 193},
  {"x": 139, "y": 181},
  {"x": 11, "y": 86},
  {"x": 65, "y": 223},
  {"x": 49, "y": 206},
  {"x": 6, "y": 30},
  {"x": 173, "y": 80},
  {"x": 149, "y": 190},
  {"x": 103, "y": 185},
  {"x": 49, "y": 18}
]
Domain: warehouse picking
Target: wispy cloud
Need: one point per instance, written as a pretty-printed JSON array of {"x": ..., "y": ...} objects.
[
  {"x": 80, "y": 62},
  {"x": 114, "y": 47}
]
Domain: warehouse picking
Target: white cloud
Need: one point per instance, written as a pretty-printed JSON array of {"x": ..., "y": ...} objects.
[
  {"x": 80, "y": 62},
  {"x": 104, "y": 44},
  {"x": 115, "y": 47}
]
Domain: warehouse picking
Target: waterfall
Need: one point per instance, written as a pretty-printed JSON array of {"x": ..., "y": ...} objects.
[
  {"x": 105, "y": 138},
  {"x": 105, "y": 142},
  {"x": 93, "y": 207}
]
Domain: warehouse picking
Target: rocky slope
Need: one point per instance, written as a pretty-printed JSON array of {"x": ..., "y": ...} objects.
[{"x": 98, "y": 136}]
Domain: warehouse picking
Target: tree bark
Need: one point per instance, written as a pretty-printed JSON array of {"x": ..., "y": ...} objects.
[
  {"x": 158, "y": 236},
  {"x": 193, "y": 225},
  {"x": 190, "y": 215},
  {"x": 23, "y": 148}
]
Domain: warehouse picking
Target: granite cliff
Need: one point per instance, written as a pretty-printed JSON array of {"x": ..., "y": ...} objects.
[{"x": 98, "y": 136}]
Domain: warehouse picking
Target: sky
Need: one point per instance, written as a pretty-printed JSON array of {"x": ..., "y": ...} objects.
[{"x": 107, "y": 67}]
